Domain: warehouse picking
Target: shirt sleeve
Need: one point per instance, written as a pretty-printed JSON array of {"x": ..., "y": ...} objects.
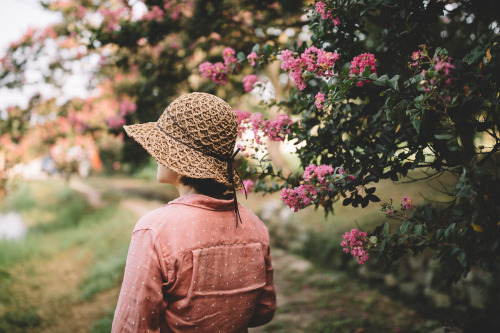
[
  {"x": 266, "y": 304},
  {"x": 141, "y": 303}
]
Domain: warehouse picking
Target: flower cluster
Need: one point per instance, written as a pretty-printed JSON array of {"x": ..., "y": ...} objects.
[
  {"x": 356, "y": 242},
  {"x": 406, "y": 204},
  {"x": 326, "y": 14},
  {"x": 216, "y": 72},
  {"x": 417, "y": 58},
  {"x": 318, "y": 184},
  {"x": 252, "y": 57},
  {"x": 359, "y": 64},
  {"x": 112, "y": 18},
  {"x": 155, "y": 14},
  {"x": 436, "y": 79},
  {"x": 319, "y": 100},
  {"x": 249, "y": 81},
  {"x": 279, "y": 127},
  {"x": 127, "y": 107},
  {"x": 249, "y": 185},
  {"x": 299, "y": 197},
  {"x": 314, "y": 173},
  {"x": 276, "y": 129},
  {"x": 219, "y": 71},
  {"x": 440, "y": 73},
  {"x": 312, "y": 60}
]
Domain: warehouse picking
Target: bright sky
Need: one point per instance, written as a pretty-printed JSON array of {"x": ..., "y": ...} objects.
[{"x": 17, "y": 16}]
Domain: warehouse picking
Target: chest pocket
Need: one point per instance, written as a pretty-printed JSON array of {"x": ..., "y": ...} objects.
[{"x": 228, "y": 269}]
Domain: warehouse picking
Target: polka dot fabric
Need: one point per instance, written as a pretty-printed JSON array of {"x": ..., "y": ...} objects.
[
  {"x": 198, "y": 120},
  {"x": 190, "y": 270}
]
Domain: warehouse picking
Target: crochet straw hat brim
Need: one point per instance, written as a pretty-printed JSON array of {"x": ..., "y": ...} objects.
[{"x": 195, "y": 137}]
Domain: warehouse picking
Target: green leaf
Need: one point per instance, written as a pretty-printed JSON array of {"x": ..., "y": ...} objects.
[
  {"x": 268, "y": 49},
  {"x": 416, "y": 122},
  {"x": 256, "y": 48},
  {"x": 418, "y": 229},
  {"x": 382, "y": 245},
  {"x": 393, "y": 83},
  {"x": 385, "y": 230},
  {"x": 366, "y": 72},
  {"x": 443, "y": 136},
  {"x": 465, "y": 191},
  {"x": 462, "y": 259},
  {"x": 347, "y": 202},
  {"x": 419, "y": 98},
  {"x": 241, "y": 56},
  {"x": 449, "y": 233},
  {"x": 404, "y": 227}
]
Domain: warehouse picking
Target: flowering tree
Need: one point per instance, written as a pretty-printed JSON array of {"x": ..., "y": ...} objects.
[
  {"x": 383, "y": 88},
  {"x": 144, "y": 53}
]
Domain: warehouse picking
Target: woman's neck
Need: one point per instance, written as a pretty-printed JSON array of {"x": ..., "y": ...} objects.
[{"x": 185, "y": 189}]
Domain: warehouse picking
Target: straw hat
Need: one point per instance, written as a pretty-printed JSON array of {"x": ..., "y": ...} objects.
[{"x": 195, "y": 137}]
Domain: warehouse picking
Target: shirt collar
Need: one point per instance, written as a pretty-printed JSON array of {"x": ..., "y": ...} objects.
[{"x": 204, "y": 202}]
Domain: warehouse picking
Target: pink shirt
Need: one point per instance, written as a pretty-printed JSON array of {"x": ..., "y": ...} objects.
[{"x": 189, "y": 269}]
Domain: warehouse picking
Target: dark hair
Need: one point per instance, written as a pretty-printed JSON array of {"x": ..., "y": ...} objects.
[{"x": 207, "y": 186}]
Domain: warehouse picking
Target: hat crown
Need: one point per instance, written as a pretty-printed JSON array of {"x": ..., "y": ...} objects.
[{"x": 203, "y": 121}]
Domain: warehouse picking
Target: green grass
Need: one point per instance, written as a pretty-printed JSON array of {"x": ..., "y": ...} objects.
[
  {"x": 19, "y": 321},
  {"x": 60, "y": 220},
  {"x": 104, "y": 324}
]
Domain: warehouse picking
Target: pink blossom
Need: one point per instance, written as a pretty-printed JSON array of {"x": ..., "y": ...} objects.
[
  {"x": 167, "y": 5},
  {"x": 258, "y": 124},
  {"x": 127, "y": 107},
  {"x": 252, "y": 57},
  {"x": 355, "y": 242},
  {"x": 243, "y": 116},
  {"x": 112, "y": 18},
  {"x": 417, "y": 55},
  {"x": 115, "y": 121},
  {"x": 320, "y": 98},
  {"x": 81, "y": 11},
  {"x": 314, "y": 173},
  {"x": 311, "y": 60},
  {"x": 215, "y": 72},
  {"x": 277, "y": 129},
  {"x": 155, "y": 14},
  {"x": 249, "y": 185},
  {"x": 336, "y": 21},
  {"x": 249, "y": 81},
  {"x": 299, "y": 197},
  {"x": 359, "y": 63},
  {"x": 298, "y": 80},
  {"x": 444, "y": 64},
  {"x": 229, "y": 58},
  {"x": 218, "y": 72},
  {"x": 407, "y": 203},
  {"x": 320, "y": 8},
  {"x": 287, "y": 60}
]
